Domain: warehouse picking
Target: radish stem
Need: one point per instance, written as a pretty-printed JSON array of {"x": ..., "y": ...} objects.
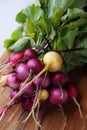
[{"x": 5, "y": 67}]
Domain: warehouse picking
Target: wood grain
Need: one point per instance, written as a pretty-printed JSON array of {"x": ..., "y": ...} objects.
[{"x": 53, "y": 119}]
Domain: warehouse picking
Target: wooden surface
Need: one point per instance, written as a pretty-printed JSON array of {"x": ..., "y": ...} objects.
[{"x": 53, "y": 119}]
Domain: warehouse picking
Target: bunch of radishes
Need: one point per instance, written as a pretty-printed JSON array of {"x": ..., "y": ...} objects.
[{"x": 34, "y": 81}]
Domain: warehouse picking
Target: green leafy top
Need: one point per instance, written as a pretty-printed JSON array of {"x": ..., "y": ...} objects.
[{"x": 62, "y": 22}]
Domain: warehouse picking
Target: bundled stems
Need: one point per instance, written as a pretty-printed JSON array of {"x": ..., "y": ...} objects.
[
  {"x": 44, "y": 46},
  {"x": 47, "y": 44}
]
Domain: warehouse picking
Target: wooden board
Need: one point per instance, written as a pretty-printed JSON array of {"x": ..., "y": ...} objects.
[{"x": 53, "y": 119}]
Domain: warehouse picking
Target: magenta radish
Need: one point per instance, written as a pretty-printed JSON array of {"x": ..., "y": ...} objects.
[
  {"x": 35, "y": 65},
  {"x": 38, "y": 82},
  {"x": 13, "y": 93},
  {"x": 46, "y": 81},
  {"x": 30, "y": 53},
  {"x": 22, "y": 71},
  {"x": 59, "y": 78},
  {"x": 73, "y": 93},
  {"x": 58, "y": 96},
  {"x": 14, "y": 58},
  {"x": 42, "y": 81},
  {"x": 12, "y": 81},
  {"x": 26, "y": 104},
  {"x": 29, "y": 90}
]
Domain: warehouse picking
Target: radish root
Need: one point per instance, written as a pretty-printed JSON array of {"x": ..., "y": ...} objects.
[
  {"x": 79, "y": 107},
  {"x": 32, "y": 113},
  {"x": 4, "y": 67},
  {"x": 62, "y": 111},
  {"x": 3, "y": 111},
  {"x": 35, "y": 105}
]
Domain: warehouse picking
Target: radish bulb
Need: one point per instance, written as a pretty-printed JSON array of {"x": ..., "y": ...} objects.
[
  {"x": 53, "y": 61},
  {"x": 12, "y": 81},
  {"x": 30, "y": 53},
  {"x": 14, "y": 58},
  {"x": 43, "y": 95},
  {"x": 37, "y": 82},
  {"x": 22, "y": 71},
  {"x": 58, "y": 96},
  {"x": 35, "y": 65},
  {"x": 59, "y": 78},
  {"x": 13, "y": 93},
  {"x": 26, "y": 104},
  {"x": 29, "y": 90},
  {"x": 46, "y": 80},
  {"x": 42, "y": 81}
]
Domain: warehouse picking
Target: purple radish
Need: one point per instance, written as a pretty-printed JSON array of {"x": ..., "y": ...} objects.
[
  {"x": 30, "y": 53},
  {"x": 26, "y": 104},
  {"x": 58, "y": 96},
  {"x": 35, "y": 65},
  {"x": 12, "y": 81},
  {"x": 22, "y": 71},
  {"x": 59, "y": 78}
]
